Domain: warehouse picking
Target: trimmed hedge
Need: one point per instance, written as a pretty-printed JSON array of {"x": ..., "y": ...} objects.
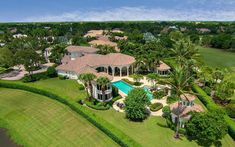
[
  {"x": 209, "y": 103},
  {"x": 97, "y": 106},
  {"x": 155, "y": 107},
  {"x": 117, "y": 135}
]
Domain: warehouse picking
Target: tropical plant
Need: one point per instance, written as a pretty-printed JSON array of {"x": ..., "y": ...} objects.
[
  {"x": 86, "y": 78},
  {"x": 180, "y": 82},
  {"x": 152, "y": 77},
  {"x": 135, "y": 104},
  {"x": 103, "y": 82},
  {"x": 137, "y": 77}
]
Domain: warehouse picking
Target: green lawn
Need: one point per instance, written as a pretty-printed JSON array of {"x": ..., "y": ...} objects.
[
  {"x": 217, "y": 57},
  {"x": 40, "y": 121},
  {"x": 151, "y": 132},
  {"x": 65, "y": 88}
]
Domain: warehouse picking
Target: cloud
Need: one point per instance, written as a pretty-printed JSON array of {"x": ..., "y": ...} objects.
[{"x": 139, "y": 13}]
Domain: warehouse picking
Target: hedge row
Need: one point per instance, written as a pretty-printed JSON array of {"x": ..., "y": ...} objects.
[
  {"x": 209, "y": 103},
  {"x": 117, "y": 135},
  {"x": 97, "y": 107}
]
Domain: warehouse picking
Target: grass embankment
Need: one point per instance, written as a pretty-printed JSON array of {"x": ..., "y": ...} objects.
[
  {"x": 151, "y": 132},
  {"x": 35, "y": 120}
]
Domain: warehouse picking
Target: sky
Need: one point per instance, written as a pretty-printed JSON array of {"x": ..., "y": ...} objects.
[{"x": 110, "y": 10}]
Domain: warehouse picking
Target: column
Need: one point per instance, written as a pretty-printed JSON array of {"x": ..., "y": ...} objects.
[
  {"x": 132, "y": 68},
  {"x": 113, "y": 71},
  {"x": 127, "y": 70},
  {"x": 120, "y": 71},
  {"x": 107, "y": 70}
]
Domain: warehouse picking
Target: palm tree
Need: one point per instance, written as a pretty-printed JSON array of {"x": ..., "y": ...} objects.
[
  {"x": 152, "y": 77},
  {"x": 103, "y": 82},
  {"x": 137, "y": 77},
  {"x": 184, "y": 50},
  {"x": 180, "y": 81},
  {"x": 86, "y": 78}
]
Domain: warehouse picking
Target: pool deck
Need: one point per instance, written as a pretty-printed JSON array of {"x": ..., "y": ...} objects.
[{"x": 145, "y": 83}]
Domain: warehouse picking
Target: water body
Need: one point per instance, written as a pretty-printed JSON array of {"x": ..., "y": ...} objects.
[{"x": 5, "y": 140}]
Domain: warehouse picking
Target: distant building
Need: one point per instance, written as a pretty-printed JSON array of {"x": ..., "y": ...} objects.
[
  {"x": 20, "y": 36},
  {"x": 203, "y": 30}
]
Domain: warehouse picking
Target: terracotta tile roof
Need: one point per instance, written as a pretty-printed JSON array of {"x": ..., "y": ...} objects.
[
  {"x": 163, "y": 66},
  {"x": 102, "y": 42},
  {"x": 81, "y": 64},
  {"x": 183, "y": 111},
  {"x": 188, "y": 97},
  {"x": 86, "y": 49},
  {"x": 94, "y": 33}
]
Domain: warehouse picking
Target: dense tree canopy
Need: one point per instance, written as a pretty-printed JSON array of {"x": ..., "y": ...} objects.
[
  {"x": 207, "y": 128},
  {"x": 135, "y": 104}
]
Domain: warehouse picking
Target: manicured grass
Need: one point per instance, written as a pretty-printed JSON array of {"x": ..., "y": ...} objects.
[
  {"x": 217, "y": 57},
  {"x": 152, "y": 132},
  {"x": 65, "y": 88},
  {"x": 36, "y": 120}
]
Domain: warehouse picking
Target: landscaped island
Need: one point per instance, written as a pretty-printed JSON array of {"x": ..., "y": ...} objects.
[{"x": 118, "y": 85}]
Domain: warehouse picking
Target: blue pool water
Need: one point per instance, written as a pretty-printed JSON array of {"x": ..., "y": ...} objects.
[
  {"x": 123, "y": 86},
  {"x": 126, "y": 88}
]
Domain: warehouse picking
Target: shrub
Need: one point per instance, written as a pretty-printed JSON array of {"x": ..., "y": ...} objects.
[
  {"x": 209, "y": 103},
  {"x": 51, "y": 72},
  {"x": 207, "y": 90},
  {"x": 171, "y": 99},
  {"x": 159, "y": 94},
  {"x": 97, "y": 105},
  {"x": 230, "y": 110},
  {"x": 155, "y": 107},
  {"x": 81, "y": 87},
  {"x": 35, "y": 77},
  {"x": 110, "y": 130},
  {"x": 61, "y": 77},
  {"x": 128, "y": 81},
  {"x": 166, "y": 111},
  {"x": 27, "y": 78},
  {"x": 115, "y": 91}
]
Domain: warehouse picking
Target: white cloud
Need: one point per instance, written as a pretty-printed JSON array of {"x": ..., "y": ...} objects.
[{"x": 139, "y": 13}]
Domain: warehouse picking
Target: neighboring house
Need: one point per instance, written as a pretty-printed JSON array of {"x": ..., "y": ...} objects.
[
  {"x": 183, "y": 109},
  {"x": 203, "y": 30},
  {"x": 20, "y": 36},
  {"x": 79, "y": 51},
  {"x": 104, "y": 40},
  {"x": 163, "y": 69},
  {"x": 94, "y": 33}
]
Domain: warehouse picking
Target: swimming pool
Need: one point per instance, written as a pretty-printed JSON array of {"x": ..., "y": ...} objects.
[
  {"x": 126, "y": 88},
  {"x": 123, "y": 86}
]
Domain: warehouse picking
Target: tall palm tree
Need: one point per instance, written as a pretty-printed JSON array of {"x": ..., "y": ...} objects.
[
  {"x": 87, "y": 78},
  {"x": 184, "y": 50},
  {"x": 103, "y": 82},
  {"x": 180, "y": 81}
]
